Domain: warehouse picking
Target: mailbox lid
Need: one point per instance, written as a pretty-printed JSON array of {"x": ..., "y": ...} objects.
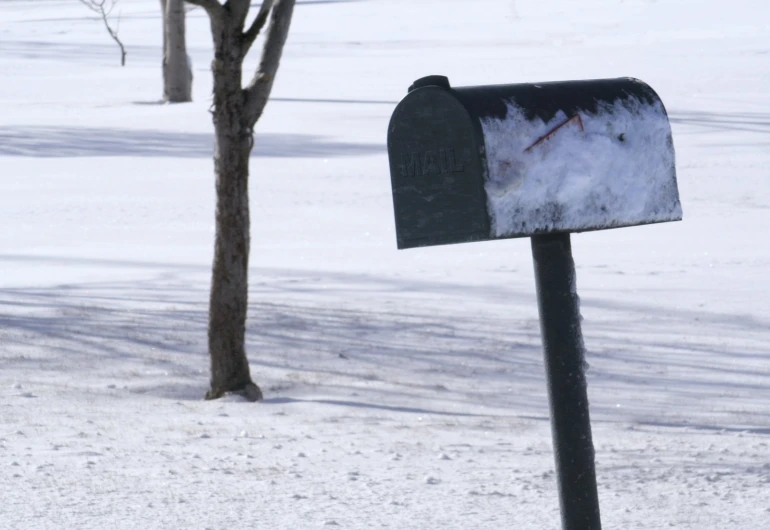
[
  {"x": 544, "y": 100},
  {"x": 574, "y": 156},
  {"x": 437, "y": 172}
]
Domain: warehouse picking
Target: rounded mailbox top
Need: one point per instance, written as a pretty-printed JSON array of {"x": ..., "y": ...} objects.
[
  {"x": 430, "y": 80},
  {"x": 497, "y": 161}
]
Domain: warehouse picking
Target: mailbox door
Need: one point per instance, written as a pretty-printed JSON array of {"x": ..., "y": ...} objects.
[{"x": 436, "y": 169}]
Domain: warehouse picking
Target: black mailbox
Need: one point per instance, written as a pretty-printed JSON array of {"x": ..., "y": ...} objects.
[
  {"x": 540, "y": 160},
  {"x": 502, "y": 161}
]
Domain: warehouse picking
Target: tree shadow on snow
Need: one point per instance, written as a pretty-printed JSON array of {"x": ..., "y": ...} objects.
[
  {"x": 401, "y": 345},
  {"x": 365, "y": 405},
  {"x": 55, "y": 142},
  {"x": 702, "y": 121},
  {"x": 31, "y": 50},
  {"x": 348, "y": 338}
]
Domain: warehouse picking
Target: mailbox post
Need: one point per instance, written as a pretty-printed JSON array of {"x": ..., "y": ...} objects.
[
  {"x": 565, "y": 373},
  {"x": 540, "y": 161}
]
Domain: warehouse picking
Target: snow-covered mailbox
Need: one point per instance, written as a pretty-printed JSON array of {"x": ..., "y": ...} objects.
[
  {"x": 541, "y": 161},
  {"x": 490, "y": 162}
]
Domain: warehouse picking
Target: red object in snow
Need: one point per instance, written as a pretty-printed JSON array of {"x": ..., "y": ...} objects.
[{"x": 573, "y": 120}]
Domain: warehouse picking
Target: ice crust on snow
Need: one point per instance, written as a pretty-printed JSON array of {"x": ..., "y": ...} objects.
[{"x": 613, "y": 167}]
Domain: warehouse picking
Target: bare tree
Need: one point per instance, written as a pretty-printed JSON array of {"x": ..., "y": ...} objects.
[
  {"x": 235, "y": 112},
  {"x": 177, "y": 71},
  {"x": 103, "y": 8}
]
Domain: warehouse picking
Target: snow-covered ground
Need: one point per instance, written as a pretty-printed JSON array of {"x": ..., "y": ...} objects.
[{"x": 403, "y": 389}]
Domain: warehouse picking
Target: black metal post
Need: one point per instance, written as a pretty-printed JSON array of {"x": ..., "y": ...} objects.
[{"x": 565, "y": 369}]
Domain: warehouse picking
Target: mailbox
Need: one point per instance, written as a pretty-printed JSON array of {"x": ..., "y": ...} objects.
[
  {"x": 503, "y": 161},
  {"x": 540, "y": 160}
]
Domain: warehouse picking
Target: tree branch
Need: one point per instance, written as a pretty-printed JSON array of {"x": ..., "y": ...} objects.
[
  {"x": 258, "y": 90},
  {"x": 253, "y": 32},
  {"x": 98, "y": 6},
  {"x": 114, "y": 35}
]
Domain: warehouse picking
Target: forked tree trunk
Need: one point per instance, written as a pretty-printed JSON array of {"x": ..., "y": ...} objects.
[
  {"x": 236, "y": 111},
  {"x": 177, "y": 71},
  {"x": 229, "y": 281}
]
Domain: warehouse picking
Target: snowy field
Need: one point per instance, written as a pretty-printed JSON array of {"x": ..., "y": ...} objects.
[{"x": 404, "y": 389}]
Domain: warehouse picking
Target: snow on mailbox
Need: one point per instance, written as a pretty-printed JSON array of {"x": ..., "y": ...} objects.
[{"x": 503, "y": 161}]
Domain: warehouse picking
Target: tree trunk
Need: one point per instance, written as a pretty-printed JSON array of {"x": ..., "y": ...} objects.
[
  {"x": 177, "y": 73},
  {"x": 229, "y": 282},
  {"x": 236, "y": 111}
]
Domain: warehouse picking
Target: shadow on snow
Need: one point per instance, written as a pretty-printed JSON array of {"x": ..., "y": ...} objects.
[
  {"x": 355, "y": 340},
  {"x": 701, "y": 121},
  {"x": 55, "y": 142}
]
